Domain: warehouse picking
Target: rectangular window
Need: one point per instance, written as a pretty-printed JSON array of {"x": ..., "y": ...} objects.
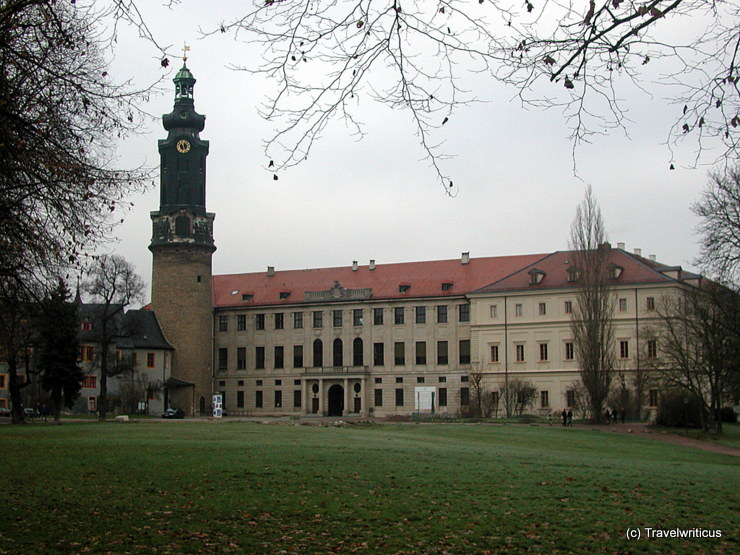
[
  {"x": 297, "y": 399},
  {"x": 223, "y": 323},
  {"x": 494, "y": 398},
  {"x": 378, "y": 397},
  {"x": 441, "y": 314},
  {"x": 464, "y": 396},
  {"x": 278, "y": 399},
  {"x": 520, "y": 352},
  {"x": 518, "y": 309},
  {"x": 442, "y": 396},
  {"x": 650, "y": 303},
  {"x": 90, "y": 381},
  {"x": 241, "y": 358},
  {"x": 494, "y": 311},
  {"x": 652, "y": 348},
  {"x": 463, "y": 313},
  {"x": 223, "y": 358},
  {"x": 279, "y": 321},
  {"x": 377, "y": 316},
  {"x": 569, "y": 307},
  {"x": 357, "y": 317},
  {"x": 622, "y": 305},
  {"x": 259, "y": 358},
  {"x": 624, "y": 349},
  {"x": 150, "y": 358},
  {"x": 543, "y": 309},
  {"x": 318, "y": 319},
  {"x": 241, "y": 322},
  {"x": 92, "y": 403},
  {"x": 399, "y": 397},
  {"x": 258, "y": 399},
  {"x": 570, "y": 398},
  {"x": 420, "y": 379},
  {"x": 279, "y": 357},
  {"x": 398, "y": 315},
  {"x": 87, "y": 353},
  {"x": 240, "y": 399},
  {"x": 569, "y": 352},
  {"x": 298, "y": 320},
  {"x": 464, "y": 351},
  {"x": 337, "y": 318},
  {"x": 543, "y": 352},
  {"x": 494, "y": 353},
  {"x": 259, "y": 321},
  {"x": 399, "y": 353},
  {"x": 442, "y": 355},
  {"x": 421, "y": 352},
  {"x": 378, "y": 358},
  {"x": 297, "y": 356},
  {"x": 421, "y": 314},
  {"x": 544, "y": 399},
  {"x": 653, "y": 398}
]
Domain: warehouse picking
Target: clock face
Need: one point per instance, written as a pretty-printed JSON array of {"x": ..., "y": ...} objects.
[{"x": 182, "y": 146}]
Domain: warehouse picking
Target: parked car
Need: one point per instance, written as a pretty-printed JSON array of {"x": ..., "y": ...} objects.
[
  {"x": 30, "y": 412},
  {"x": 173, "y": 413},
  {"x": 4, "y": 411}
]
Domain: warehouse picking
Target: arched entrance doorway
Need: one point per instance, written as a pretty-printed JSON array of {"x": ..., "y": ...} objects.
[{"x": 336, "y": 400}]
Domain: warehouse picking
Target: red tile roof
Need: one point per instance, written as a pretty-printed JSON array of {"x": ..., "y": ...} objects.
[
  {"x": 425, "y": 280},
  {"x": 635, "y": 269}
]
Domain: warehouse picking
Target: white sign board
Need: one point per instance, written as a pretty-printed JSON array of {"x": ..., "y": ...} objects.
[
  {"x": 218, "y": 405},
  {"x": 425, "y": 399}
]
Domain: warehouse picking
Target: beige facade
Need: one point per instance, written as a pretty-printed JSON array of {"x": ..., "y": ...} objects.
[
  {"x": 344, "y": 351},
  {"x": 364, "y": 358},
  {"x": 523, "y": 334}
]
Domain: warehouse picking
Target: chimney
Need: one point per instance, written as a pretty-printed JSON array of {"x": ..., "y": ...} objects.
[
  {"x": 371, "y": 267},
  {"x": 653, "y": 258},
  {"x": 354, "y": 265},
  {"x": 270, "y": 271},
  {"x": 620, "y": 246},
  {"x": 465, "y": 258},
  {"x": 638, "y": 252}
]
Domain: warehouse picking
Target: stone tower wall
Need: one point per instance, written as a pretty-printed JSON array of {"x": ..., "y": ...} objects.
[{"x": 181, "y": 298}]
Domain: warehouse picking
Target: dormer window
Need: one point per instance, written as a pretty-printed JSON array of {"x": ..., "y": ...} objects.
[
  {"x": 615, "y": 271},
  {"x": 86, "y": 326},
  {"x": 404, "y": 287},
  {"x": 446, "y": 285},
  {"x": 536, "y": 276},
  {"x": 246, "y": 297},
  {"x": 574, "y": 274},
  {"x": 284, "y": 294}
]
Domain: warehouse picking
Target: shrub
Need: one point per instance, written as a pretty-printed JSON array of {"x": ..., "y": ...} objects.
[{"x": 673, "y": 411}]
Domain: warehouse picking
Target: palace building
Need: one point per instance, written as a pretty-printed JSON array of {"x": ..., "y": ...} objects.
[{"x": 371, "y": 339}]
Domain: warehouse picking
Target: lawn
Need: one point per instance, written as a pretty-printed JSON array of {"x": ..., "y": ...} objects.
[{"x": 236, "y": 487}]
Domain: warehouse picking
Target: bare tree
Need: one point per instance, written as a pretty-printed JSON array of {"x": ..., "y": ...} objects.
[
  {"x": 719, "y": 210},
  {"x": 327, "y": 57},
  {"x": 17, "y": 310},
  {"x": 60, "y": 116},
  {"x": 112, "y": 284},
  {"x": 699, "y": 346},
  {"x": 517, "y": 395},
  {"x": 591, "y": 320}
]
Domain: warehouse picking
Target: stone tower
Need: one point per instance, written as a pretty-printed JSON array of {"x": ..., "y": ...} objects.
[{"x": 182, "y": 247}]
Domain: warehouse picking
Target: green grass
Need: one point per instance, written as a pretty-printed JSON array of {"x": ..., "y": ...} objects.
[
  {"x": 186, "y": 487},
  {"x": 730, "y": 435}
]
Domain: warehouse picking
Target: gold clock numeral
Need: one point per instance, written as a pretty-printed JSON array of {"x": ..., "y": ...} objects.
[{"x": 182, "y": 146}]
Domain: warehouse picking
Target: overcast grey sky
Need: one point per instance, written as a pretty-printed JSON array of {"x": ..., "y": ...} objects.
[{"x": 376, "y": 198}]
